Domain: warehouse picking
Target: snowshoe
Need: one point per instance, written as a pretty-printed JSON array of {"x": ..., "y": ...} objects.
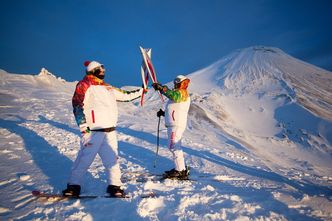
[
  {"x": 72, "y": 191},
  {"x": 115, "y": 191},
  {"x": 179, "y": 175}
]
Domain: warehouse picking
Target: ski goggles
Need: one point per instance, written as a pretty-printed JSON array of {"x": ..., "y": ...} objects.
[
  {"x": 179, "y": 80},
  {"x": 99, "y": 69}
]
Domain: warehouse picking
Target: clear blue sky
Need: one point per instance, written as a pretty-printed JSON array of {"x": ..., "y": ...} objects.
[{"x": 185, "y": 35}]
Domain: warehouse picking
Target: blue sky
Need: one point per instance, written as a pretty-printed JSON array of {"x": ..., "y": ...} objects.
[{"x": 184, "y": 35}]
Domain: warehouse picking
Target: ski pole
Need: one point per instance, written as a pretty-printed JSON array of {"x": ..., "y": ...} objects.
[{"x": 155, "y": 161}]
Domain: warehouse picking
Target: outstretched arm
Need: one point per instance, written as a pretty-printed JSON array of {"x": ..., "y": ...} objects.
[
  {"x": 126, "y": 96},
  {"x": 176, "y": 95}
]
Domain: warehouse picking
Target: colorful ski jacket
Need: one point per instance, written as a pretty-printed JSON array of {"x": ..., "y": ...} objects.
[
  {"x": 177, "y": 107},
  {"x": 94, "y": 102}
]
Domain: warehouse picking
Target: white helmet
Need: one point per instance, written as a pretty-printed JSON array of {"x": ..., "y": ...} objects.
[
  {"x": 179, "y": 79},
  {"x": 92, "y": 65}
]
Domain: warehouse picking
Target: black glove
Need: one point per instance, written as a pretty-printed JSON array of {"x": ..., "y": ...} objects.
[
  {"x": 157, "y": 86},
  {"x": 161, "y": 113},
  {"x": 144, "y": 90}
]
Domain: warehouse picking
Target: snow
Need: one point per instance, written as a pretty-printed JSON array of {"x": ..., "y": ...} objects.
[{"x": 258, "y": 143}]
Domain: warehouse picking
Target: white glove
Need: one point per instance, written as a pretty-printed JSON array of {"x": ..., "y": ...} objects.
[
  {"x": 86, "y": 138},
  {"x": 85, "y": 135}
]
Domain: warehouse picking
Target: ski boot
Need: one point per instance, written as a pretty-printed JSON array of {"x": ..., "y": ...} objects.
[
  {"x": 72, "y": 190},
  {"x": 115, "y": 191},
  {"x": 178, "y": 175}
]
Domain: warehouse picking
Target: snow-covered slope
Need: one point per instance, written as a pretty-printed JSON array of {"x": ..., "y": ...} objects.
[
  {"x": 270, "y": 71},
  {"x": 278, "y": 105},
  {"x": 257, "y": 151}
]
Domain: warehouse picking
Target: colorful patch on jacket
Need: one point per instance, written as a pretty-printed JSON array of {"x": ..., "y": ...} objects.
[
  {"x": 79, "y": 96},
  {"x": 176, "y": 95}
]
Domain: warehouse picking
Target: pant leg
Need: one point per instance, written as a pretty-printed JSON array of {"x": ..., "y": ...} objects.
[
  {"x": 174, "y": 145},
  {"x": 85, "y": 157},
  {"x": 108, "y": 153}
]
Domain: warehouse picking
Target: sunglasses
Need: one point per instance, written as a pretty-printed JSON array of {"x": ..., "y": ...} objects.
[
  {"x": 178, "y": 80},
  {"x": 99, "y": 69}
]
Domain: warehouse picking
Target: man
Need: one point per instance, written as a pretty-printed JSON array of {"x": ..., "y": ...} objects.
[
  {"x": 176, "y": 114},
  {"x": 96, "y": 113}
]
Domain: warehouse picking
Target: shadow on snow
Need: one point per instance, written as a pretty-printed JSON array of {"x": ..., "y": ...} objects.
[
  {"x": 51, "y": 162},
  {"x": 305, "y": 188},
  {"x": 262, "y": 197}
]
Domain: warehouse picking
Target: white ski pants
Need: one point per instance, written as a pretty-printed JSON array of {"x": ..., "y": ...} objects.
[
  {"x": 104, "y": 144},
  {"x": 174, "y": 144}
]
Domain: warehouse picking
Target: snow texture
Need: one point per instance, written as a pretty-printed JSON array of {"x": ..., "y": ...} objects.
[{"x": 258, "y": 143}]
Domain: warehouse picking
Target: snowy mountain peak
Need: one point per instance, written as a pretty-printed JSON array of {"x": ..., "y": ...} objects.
[
  {"x": 268, "y": 71},
  {"x": 45, "y": 73},
  {"x": 266, "y": 49}
]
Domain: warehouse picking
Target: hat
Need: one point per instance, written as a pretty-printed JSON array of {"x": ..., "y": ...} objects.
[
  {"x": 90, "y": 65},
  {"x": 179, "y": 79}
]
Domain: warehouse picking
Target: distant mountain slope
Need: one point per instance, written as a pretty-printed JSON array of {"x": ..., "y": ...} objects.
[
  {"x": 269, "y": 71},
  {"x": 277, "y": 106}
]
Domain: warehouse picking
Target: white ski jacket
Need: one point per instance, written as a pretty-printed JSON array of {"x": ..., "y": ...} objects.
[
  {"x": 177, "y": 107},
  {"x": 95, "y": 103},
  {"x": 176, "y": 113}
]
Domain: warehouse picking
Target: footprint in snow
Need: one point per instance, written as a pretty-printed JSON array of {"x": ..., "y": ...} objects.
[
  {"x": 7, "y": 182},
  {"x": 4, "y": 210},
  {"x": 22, "y": 176}
]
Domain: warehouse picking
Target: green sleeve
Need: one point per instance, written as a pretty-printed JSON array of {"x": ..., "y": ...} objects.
[{"x": 174, "y": 95}]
